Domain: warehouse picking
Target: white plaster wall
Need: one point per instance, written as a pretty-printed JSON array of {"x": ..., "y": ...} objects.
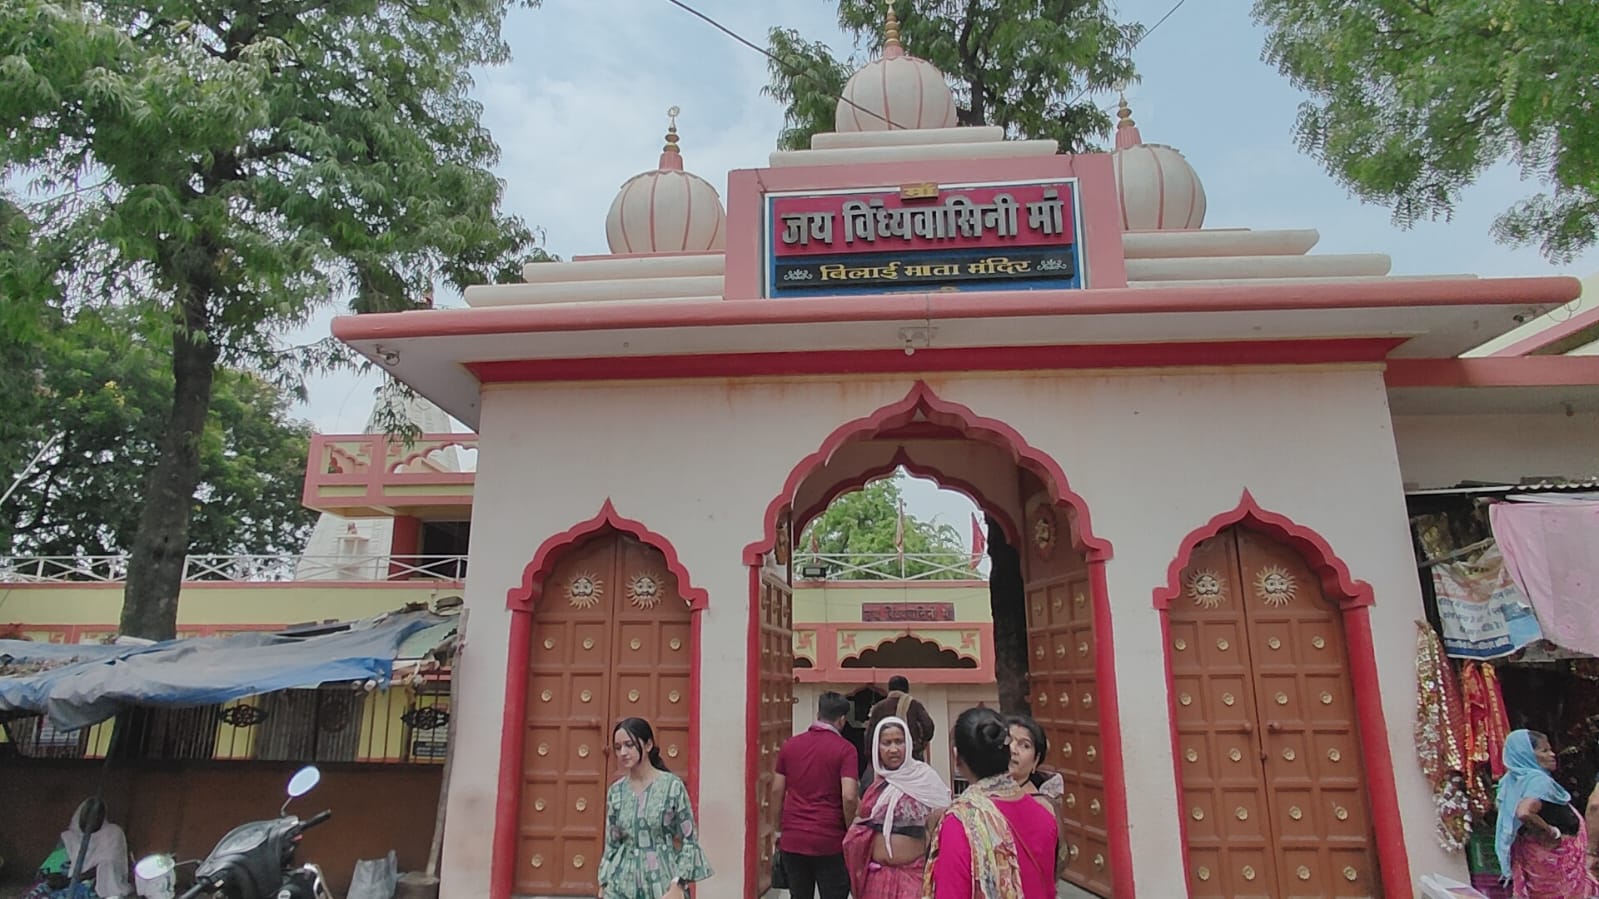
[
  {"x": 1155, "y": 455},
  {"x": 1444, "y": 450}
]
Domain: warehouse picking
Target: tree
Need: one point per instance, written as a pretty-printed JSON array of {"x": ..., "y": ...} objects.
[
  {"x": 102, "y": 392},
  {"x": 226, "y": 167},
  {"x": 862, "y": 524},
  {"x": 1024, "y": 65},
  {"x": 25, "y": 317},
  {"x": 1412, "y": 101}
]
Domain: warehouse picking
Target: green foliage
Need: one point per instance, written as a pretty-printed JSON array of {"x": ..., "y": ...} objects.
[
  {"x": 260, "y": 157},
  {"x": 102, "y": 390},
  {"x": 25, "y": 315},
  {"x": 862, "y": 523},
  {"x": 223, "y": 169},
  {"x": 807, "y": 80},
  {"x": 1413, "y": 99},
  {"x": 1025, "y": 65}
]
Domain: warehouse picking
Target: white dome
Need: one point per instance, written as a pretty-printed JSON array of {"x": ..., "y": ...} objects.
[
  {"x": 667, "y": 210},
  {"x": 1158, "y": 189},
  {"x": 897, "y": 92}
]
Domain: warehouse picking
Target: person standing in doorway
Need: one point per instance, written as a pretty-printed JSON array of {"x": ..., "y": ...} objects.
[
  {"x": 996, "y": 841},
  {"x": 817, "y": 792},
  {"x": 899, "y": 703},
  {"x": 651, "y": 849}
]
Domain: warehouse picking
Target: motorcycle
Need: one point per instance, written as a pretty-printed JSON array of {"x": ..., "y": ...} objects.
[{"x": 255, "y": 860}]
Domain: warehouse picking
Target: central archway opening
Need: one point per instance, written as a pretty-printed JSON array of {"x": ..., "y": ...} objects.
[
  {"x": 1030, "y": 634},
  {"x": 886, "y": 584}
]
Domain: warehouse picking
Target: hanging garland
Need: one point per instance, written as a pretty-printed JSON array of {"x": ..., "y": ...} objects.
[{"x": 1439, "y": 738}]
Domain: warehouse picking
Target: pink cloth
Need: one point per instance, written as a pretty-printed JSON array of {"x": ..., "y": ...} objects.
[
  {"x": 1036, "y": 833},
  {"x": 1541, "y": 871},
  {"x": 1549, "y": 549},
  {"x": 868, "y": 879}
]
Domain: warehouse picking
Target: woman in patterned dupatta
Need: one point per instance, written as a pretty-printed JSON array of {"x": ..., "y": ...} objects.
[
  {"x": 886, "y": 848},
  {"x": 996, "y": 841}
]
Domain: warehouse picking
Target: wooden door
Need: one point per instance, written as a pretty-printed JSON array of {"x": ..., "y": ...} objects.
[
  {"x": 1064, "y": 696},
  {"x": 776, "y": 721},
  {"x": 610, "y": 641},
  {"x": 1270, "y": 767}
]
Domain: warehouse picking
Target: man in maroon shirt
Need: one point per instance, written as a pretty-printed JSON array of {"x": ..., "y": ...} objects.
[{"x": 817, "y": 791}]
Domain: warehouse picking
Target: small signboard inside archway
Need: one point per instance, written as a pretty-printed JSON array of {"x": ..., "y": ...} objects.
[
  {"x": 924, "y": 237},
  {"x": 907, "y": 611}
]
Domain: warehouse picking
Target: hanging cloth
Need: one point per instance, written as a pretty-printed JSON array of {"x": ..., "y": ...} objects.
[
  {"x": 1487, "y": 724},
  {"x": 1549, "y": 550},
  {"x": 1498, "y": 721}
]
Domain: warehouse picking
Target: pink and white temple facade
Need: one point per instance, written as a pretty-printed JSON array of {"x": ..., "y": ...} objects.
[{"x": 1197, "y": 439}]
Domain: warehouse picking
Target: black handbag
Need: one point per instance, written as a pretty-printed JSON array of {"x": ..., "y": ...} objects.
[{"x": 779, "y": 873}]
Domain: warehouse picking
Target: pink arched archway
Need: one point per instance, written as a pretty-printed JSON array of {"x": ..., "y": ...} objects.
[
  {"x": 521, "y": 600},
  {"x": 921, "y": 413},
  {"x": 903, "y": 460},
  {"x": 921, "y": 404},
  {"x": 522, "y": 597},
  {"x": 1354, "y": 598}
]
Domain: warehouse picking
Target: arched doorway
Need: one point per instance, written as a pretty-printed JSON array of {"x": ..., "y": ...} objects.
[
  {"x": 1277, "y": 727},
  {"x": 1056, "y": 557},
  {"x": 611, "y": 637}
]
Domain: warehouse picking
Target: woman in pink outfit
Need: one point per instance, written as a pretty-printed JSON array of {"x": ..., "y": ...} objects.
[
  {"x": 886, "y": 848},
  {"x": 996, "y": 841}
]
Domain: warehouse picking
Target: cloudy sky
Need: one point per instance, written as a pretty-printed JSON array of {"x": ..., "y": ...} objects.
[{"x": 581, "y": 108}]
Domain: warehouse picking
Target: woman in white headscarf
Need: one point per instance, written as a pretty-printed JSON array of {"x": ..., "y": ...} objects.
[
  {"x": 885, "y": 849},
  {"x": 104, "y": 871}
]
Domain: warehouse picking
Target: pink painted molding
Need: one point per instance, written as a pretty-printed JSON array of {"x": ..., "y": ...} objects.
[
  {"x": 525, "y": 595},
  {"x": 1313, "y": 547},
  {"x": 922, "y": 400}
]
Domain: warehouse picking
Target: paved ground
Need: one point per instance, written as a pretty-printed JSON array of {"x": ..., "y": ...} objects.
[{"x": 1067, "y": 891}]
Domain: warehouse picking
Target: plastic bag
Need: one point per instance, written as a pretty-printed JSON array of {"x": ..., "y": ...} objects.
[
  {"x": 375, "y": 878},
  {"x": 163, "y": 887},
  {"x": 1437, "y": 886}
]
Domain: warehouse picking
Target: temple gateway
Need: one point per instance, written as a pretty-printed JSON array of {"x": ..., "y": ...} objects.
[{"x": 1196, "y": 441}]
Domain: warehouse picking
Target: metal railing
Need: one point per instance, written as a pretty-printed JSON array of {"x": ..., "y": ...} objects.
[
  {"x": 238, "y": 569},
  {"x": 404, "y": 724},
  {"x": 941, "y": 566}
]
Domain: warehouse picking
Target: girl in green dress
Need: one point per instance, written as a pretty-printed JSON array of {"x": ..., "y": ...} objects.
[{"x": 651, "y": 850}]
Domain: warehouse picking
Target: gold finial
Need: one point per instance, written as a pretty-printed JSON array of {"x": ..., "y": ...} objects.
[
  {"x": 891, "y": 30},
  {"x": 1125, "y": 114},
  {"x": 671, "y": 131}
]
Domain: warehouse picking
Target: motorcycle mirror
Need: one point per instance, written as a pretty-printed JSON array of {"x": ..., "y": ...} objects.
[
  {"x": 304, "y": 781},
  {"x": 154, "y": 867}
]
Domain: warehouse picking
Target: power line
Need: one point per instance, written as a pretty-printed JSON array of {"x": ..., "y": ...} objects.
[
  {"x": 792, "y": 73},
  {"x": 795, "y": 73},
  {"x": 1158, "y": 22}
]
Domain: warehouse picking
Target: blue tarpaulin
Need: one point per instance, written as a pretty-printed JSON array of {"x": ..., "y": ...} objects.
[{"x": 77, "y": 686}]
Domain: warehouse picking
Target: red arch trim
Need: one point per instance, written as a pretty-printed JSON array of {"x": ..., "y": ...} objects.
[
  {"x": 902, "y": 459},
  {"x": 1336, "y": 581},
  {"x": 419, "y": 454},
  {"x": 1355, "y": 600},
  {"x": 522, "y": 597},
  {"x": 342, "y": 458},
  {"x": 862, "y": 650},
  {"x": 921, "y": 400}
]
